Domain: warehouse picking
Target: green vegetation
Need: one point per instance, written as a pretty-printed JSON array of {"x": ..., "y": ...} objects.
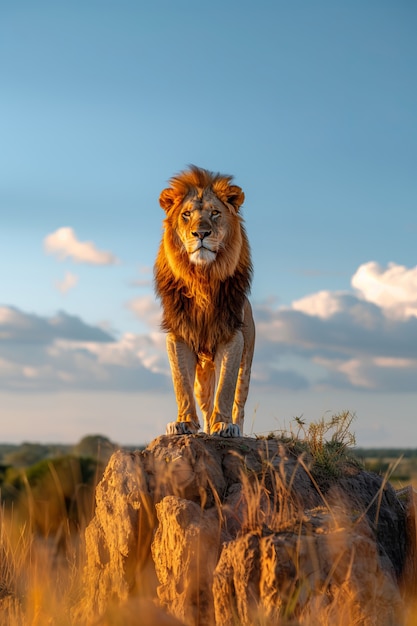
[
  {"x": 400, "y": 464},
  {"x": 326, "y": 445},
  {"x": 53, "y": 485},
  {"x": 331, "y": 444},
  {"x": 26, "y": 454}
]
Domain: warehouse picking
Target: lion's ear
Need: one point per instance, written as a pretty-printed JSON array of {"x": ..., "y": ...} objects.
[
  {"x": 167, "y": 199},
  {"x": 235, "y": 197}
]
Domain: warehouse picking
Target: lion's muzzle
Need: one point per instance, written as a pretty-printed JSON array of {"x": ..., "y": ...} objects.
[
  {"x": 202, "y": 254},
  {"x": 201, "y": 234}
]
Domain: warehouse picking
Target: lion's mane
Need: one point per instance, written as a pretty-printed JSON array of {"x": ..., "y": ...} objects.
[{"x": 203, "y": 305}]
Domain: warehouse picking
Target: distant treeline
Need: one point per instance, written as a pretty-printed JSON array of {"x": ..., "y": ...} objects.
[
  {"x": 385, "y": 453},
  {"x": 27, "y": 453}
]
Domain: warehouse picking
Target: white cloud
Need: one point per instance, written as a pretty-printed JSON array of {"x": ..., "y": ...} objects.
[
  {"x": 63, "y": 352},
  {"x": 64, "y": 244},
  {"x": 395, "y": 363},
  {"x": 12, "y": 321},
  {"x": 128, "y": 352},
  {"x": 323, "y": 304},
  {"x": 27, "y": 328},
  {"x": 375, "y": 373},
  {"x": 356, "y": 347},
  {"x": 394, "y": 289},
  {"x": 366, "y": 340},
  {"x": 147, "y": 310},
  {"x": 356, "y": 371},
  {"x": 69, "y": 281}
]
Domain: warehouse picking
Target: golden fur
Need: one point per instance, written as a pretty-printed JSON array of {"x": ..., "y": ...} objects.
[{"x": 202, "y": 275}]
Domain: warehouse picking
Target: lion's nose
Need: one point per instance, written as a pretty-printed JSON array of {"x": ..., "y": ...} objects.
[{"x": 201, "y": 234}]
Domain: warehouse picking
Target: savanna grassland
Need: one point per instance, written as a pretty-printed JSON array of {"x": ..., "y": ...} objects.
[{"x": 47, "y": 501}]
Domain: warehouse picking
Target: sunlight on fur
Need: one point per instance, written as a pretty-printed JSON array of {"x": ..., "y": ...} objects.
[{"x": 203, "y": 273}]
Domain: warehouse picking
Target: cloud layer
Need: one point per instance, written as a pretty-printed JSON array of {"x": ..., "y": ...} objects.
[
  {"x": 63, "y": 243},
  {"x": 393, "y": 289},
  {"x": 351, "y": 341},
  {"x": 69, "y": 281},
  {"x": 63, "y": 352},
  {"x": 365, "y": 339}
]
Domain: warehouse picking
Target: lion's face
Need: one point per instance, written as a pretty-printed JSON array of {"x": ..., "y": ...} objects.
[
  {"x": 204, "y": 227},
  {"x": 203, "y": 232}
]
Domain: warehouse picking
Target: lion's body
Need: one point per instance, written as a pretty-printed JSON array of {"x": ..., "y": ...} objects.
[{"x": 202, "y": 275}]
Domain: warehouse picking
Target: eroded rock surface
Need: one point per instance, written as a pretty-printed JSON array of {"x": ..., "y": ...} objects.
[
  {"x": 323, "y": 570},
  {"x": 219, "y": 532}
]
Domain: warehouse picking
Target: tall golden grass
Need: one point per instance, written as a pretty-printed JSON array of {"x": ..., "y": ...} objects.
[{"x": 38, "y": 585}]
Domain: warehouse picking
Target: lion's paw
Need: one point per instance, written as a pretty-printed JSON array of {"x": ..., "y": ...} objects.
[
  {"x": 225, "y": 429},
  {"x": 182, "y": 428}
]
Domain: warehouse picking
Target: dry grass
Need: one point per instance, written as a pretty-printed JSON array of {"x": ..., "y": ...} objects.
[
  {"x": 40, "y": 579},
  {"x": 41, "y": 576}
]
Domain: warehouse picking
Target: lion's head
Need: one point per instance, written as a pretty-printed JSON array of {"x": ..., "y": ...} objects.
[{"x": 203, "y": 231}]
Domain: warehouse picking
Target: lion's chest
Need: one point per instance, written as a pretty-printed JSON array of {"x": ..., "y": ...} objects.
[{"x": 203, "y": 326}]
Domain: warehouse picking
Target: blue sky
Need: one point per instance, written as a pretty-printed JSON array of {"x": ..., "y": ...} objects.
[{"x": 311, "y": 106}]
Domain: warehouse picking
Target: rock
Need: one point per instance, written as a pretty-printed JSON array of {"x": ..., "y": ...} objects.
[
  {"x": 119, "y": 536},
  {"x": 408, "y": 575},
  {"x": 219, "y": 530},
  {"x": 324, "y": 570},
  {"x": 185, "y": 551}
]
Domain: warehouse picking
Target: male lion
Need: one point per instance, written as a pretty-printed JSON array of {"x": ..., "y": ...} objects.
[{"x": 203, "y": 273}]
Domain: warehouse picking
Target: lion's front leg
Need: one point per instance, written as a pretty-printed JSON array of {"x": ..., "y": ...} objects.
[
  {"x": 227, "y": 362},
  {"x": 183, "y": 362},
  {"x": 204, "y": 385},
  {"x": 242, "y": 385}
]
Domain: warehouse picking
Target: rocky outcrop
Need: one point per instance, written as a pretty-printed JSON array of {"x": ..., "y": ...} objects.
[
  {"x": 219, "y": 532},
  {"x": 322, "y": 570}
]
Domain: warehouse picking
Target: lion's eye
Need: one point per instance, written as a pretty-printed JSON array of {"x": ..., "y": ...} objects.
[
  {"x": 215, "y": 212},
  {"x": 186, "y": 214}
]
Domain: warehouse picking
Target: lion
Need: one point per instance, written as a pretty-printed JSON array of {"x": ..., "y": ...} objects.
[{"x": 203, "y": 273}]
